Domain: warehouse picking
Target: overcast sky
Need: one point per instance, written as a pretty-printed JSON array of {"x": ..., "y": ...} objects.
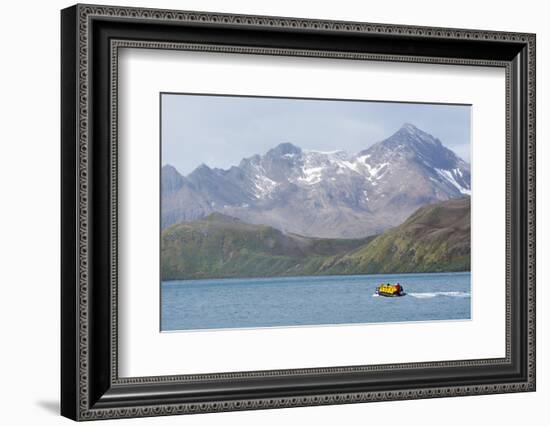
[{"x": 221, "y": 130}]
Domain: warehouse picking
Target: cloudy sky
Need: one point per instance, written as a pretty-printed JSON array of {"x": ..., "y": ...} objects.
[{"x": 221, "y": 130}]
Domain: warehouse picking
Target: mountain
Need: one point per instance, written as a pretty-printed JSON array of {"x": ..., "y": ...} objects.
[
  {"x": 223, "y": 246},
  {"x": 435, "y": 238},
  {"x": 322, "y": 194}
]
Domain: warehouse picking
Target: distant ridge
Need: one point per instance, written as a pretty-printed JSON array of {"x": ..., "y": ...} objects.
[
  {"x": 323, "y": 194},
  {"x": 435, "y": 238}
]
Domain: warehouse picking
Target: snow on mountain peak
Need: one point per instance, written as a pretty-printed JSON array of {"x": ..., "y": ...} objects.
[
  {"x": 327, "y": 193},
  {"x": 411, "y": 128},
  {"x": 454, "y": 178},
  {"x": 285, "y": 148},
  {"x": 315, "y": 151},
  {"x": 413, "y": 135}
]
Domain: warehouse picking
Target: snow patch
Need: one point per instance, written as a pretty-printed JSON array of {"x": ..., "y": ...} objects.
[
  {"x": 313, "y": 151},
  {"x": 263, "y": 186},
  {"x": 374, "y": 171},
  {"x": 450, "y": 177},
  {"x": 311, "y": 175},
  {"x": 350, "y": 165}
]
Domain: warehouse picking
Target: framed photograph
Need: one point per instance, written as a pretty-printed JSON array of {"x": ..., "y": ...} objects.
[{"x": 263, "y": 212}]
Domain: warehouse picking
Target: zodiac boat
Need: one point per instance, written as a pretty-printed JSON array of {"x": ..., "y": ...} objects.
[{"x": 390, "y": 290}]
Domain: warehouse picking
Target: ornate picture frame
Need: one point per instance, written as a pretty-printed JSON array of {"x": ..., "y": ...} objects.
[{"x": 91, "y": 37}]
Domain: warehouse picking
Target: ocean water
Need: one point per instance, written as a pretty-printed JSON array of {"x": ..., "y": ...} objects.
[{"x": 321, "y": 300}]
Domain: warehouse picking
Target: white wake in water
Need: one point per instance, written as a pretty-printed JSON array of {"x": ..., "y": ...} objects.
[{"x": 440, "y": 293}]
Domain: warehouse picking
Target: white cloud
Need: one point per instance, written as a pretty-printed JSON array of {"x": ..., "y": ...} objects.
[{"x": 221, "y": 130}]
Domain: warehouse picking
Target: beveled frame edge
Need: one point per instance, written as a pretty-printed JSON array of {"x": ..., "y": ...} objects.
[
  {"x": 76, "y": 166},
  {"x": 115, "y": 46}
]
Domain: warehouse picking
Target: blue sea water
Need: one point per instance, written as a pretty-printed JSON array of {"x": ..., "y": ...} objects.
[{"x": 320, "y": 300}]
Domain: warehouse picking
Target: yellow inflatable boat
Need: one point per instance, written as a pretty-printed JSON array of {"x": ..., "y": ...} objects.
[{"x": 390, "y": 290}]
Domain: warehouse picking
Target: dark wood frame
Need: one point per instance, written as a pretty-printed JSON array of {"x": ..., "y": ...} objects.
[{"x": 91, "y": 37}]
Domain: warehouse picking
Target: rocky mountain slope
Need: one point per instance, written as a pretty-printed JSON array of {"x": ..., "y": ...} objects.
[
  {"x": 435, "y": 238},
  {"x": 322, "y": 194}
]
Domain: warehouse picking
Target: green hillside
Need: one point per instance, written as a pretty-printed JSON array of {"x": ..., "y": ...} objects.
[
  {"x": 222, "y": 246},
  {"x": 434, "y": 238}
]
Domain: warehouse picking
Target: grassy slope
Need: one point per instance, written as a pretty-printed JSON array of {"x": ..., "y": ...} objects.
[
  {"x": 435, "y": 238},
  {"x": 220, "y": 246}
]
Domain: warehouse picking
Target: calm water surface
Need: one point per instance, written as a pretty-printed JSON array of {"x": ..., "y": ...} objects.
[{"x": 293, "y": 301}]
